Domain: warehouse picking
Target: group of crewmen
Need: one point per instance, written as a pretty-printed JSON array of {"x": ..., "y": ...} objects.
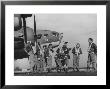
[{"x": 42, "y": 59}]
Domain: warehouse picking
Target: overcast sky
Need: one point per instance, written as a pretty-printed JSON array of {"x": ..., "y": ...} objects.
[{"x": 76, "y": 26}]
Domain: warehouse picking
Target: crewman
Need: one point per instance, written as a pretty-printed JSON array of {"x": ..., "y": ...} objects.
[
  {"x": 51, "y": 54},
  {"x": 58, "y": 60},
  {"x": 46, "y": 54},
  {"x": 92, "y": 53},
  {"x": 76, "y": 56},
  {"x": 40, "y": 58},
  {"x": 29, "y": 50},
  {"x": 66, "y": 50}
]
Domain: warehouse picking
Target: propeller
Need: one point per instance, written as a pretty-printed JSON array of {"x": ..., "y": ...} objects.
[
  {"x": 24, "y": 16},
  {"x": 34, "y": 26},
  {"x": 35, "y": 35}
]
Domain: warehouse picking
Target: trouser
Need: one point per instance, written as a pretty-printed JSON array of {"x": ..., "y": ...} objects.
[
  {"x": 40, "y": 65},
  {"x": 31, "y": 62},
  {"x": 76, "y": 61},
  {"x": 58, "y": 61},
  {"x": 92, "y": 61},
  {"x": 64, "y": 62},
  {"x": 35, "y": 67},
  {"x": 49, "y": 62},
  {"x": 46, "y": 59},
  {"x": 35, "y": 64}
]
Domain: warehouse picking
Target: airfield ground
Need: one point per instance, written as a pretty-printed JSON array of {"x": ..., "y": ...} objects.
[{"x": 82, "y": 72}]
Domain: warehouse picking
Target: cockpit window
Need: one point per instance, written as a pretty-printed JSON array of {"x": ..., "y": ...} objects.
[
  {"x": 39, "y": 36},
  {"x": 54, "y": 34},
  {"x": 46, "y": 35}
]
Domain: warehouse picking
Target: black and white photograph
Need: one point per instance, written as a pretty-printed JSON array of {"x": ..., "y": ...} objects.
[{"x": 55, "y": 44}]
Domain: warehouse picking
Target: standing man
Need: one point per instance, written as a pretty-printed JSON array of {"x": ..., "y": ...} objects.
[
  {"x": 47, "y": 57},
  {"x": 66, "y": 50},
  {"x": 40, "y": 59},
  {"x": 76, "y": 56},
  {"x": 92, "y": 53},
  {"x": 57, "y": 60},
  {"x": 46, "y": 54},
  {"x": 51, "y": 52},
  {"x": 30, "y": 52}
]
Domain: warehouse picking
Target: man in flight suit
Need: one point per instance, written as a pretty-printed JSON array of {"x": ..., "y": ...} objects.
[{"x": 92, "y": 53}]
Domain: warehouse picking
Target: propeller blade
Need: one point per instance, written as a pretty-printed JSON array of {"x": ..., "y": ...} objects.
[
  {"x": 34, "y": 25},
  {"x": 25, "y": 32}
]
